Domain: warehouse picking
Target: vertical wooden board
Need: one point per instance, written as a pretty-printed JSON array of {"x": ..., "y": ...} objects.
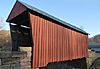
[
  {"x": 40, "y": 43},
  {"x": 46, "y": 46},
  {"x": 43, "y": 47},
  {"x": 83, "y": 45},
  {"x": 86, "y": 47},
  {"x": 77, "y": 45},
  {"x": 46, "y": 51},
  {"x": 68, "y": 46},
  {"x": 49, "y": 43},
  {"x": 70, "y": 52},
  {"x": 53, "y": 42},
  {"x": 57, "y": 39},
  {"x": 80, "y": 50},
  {"x": 36, "y": 41},
  {"x": 53, "y": 49},
  {"x": 73, "y": 44},
  {"x": 63, "y": 36},
  {"x": 39, "y": 40},
  {"x": 64, "y": 46},
  {"x": 58, "y": 52},
  {"x": 60, "y": 43}
]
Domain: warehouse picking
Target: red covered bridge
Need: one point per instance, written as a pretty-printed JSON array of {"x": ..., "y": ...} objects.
[{"x": 52, "y": 40}]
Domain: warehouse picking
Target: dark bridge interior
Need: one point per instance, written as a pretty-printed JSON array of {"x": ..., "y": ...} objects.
[{"x": 21, "y": 31}]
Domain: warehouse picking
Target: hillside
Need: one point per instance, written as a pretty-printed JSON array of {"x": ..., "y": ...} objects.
[
  {"x": 95, "y": 39},
  {"x": 5, "y": 40}
]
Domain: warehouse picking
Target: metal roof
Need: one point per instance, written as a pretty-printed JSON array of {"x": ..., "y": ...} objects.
[{"x": 52, "y": 17}]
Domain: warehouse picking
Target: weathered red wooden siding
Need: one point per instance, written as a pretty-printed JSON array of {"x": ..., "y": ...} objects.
[{"x": 53, "y": 42}]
